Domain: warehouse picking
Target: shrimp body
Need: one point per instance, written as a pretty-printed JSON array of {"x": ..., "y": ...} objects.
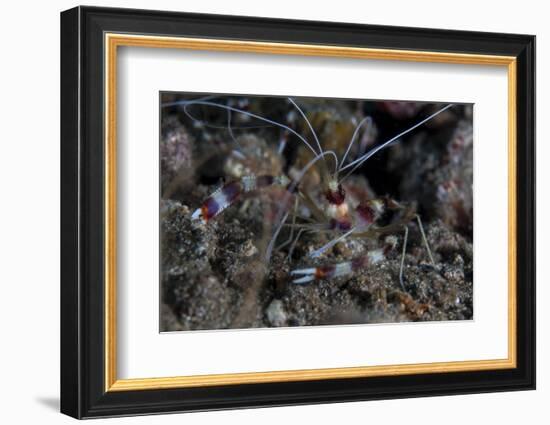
[{"x": 344, "y": 217}]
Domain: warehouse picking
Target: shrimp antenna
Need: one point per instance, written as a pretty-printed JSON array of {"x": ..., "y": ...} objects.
[
  {"x": 230, "y": 130},
  {"x": 307, "y": 122},
  {"x": 359, "y": 161},
  {"x": 208, "y": 125},
  {"x": 186, "y": 103},
  {"x": 367, "y": 120},
  {"x": 310, "y": 164},
  {"x": 179, "y": 102}
]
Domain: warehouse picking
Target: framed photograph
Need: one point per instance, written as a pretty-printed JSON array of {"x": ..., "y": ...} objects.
[{"x": 261, "y": 212}]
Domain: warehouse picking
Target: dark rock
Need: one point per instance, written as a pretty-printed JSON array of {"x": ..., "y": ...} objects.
[{"x": 175, "y": 152}]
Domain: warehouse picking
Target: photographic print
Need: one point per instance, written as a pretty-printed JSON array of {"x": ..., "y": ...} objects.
[
  {"x": 312, "y": 231},
  {"x": 292, "y": 211}
]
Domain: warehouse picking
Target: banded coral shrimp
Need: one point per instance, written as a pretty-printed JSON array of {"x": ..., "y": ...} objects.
[{"x": 304, "y": 211}]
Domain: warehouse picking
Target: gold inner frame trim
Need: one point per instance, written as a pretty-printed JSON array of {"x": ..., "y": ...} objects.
[{"x": 113, "y": 41}]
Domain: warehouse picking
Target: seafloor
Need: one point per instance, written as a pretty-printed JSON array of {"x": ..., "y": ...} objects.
[{"x": 215, "y": 276}]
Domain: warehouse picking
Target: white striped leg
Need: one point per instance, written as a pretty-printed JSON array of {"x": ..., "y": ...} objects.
[
  {"x": 345, "y": 268},
  {"x": 224, "y": 197}
]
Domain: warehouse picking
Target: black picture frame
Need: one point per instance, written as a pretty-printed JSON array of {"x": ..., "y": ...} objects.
[{"x": 83, "y": 392}]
